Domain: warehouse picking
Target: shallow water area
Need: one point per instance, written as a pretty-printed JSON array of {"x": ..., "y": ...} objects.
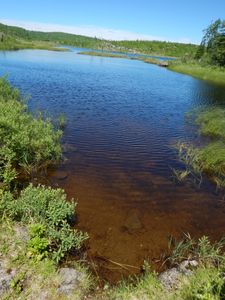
[{"x": 123, "y": 117}]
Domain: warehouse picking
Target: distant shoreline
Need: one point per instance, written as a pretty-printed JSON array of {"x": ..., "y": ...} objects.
[
  {"x": 149, "y": 60},
  {"x": 207, "y": 73}
]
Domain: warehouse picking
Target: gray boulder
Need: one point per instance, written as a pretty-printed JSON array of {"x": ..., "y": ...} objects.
[
  {"x": 70, "y": 280},
  {"x": 171, "y": 277}
]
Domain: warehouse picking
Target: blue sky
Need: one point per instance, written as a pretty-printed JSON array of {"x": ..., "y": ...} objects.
[{"x": 174, "y": 20}]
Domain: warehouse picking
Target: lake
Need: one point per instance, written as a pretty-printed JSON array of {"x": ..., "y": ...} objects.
[{"x": 123, "y": 118}]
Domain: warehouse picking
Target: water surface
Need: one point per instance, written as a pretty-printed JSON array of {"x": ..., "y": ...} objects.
[{"x": 123, "y": 116}]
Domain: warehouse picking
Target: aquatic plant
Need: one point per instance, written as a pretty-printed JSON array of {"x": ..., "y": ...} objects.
[
  {"x": 201, "y": 250},
  {"x": 62, "y": 121},
  {"x": 189, "y": 156},
  {"x": 208, "y": 159}
]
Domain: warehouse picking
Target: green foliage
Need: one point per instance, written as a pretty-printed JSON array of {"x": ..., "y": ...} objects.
[
  {"x": 206, "y": 284},
  {"x": 27, "y": 143},
  {"x": 62, "y": 121},
  {"x": 214, "y": 42},
  {"x": 17, "y": 283},
  {"x": 209, "y": 60},
  {"x": 181, "y": 175},
  {"x": 212, "y": 122},
  {"x": 201, "y": 250},
  {"x": 217, "y": 54},
  {"x": 49, "y": 213},
  {"x": 38, "y": 243},
  {"x": 212, "y": 47},
  {"x": 199, "y": 70},
  {"x": 144, "y": 287},
  {"x": 209, "y": 159},
  {"x": 43, "y": 204},
  {"x": 200, "y": 52},
  {"x": 212, "y": 158},
  {"x": 6, "y": 204},
  {"x": 189, "y": 156},
  {"x": 157, "y": 48}
]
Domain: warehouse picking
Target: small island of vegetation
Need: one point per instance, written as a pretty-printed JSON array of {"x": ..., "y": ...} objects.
[{"x": 149, "y": 60}]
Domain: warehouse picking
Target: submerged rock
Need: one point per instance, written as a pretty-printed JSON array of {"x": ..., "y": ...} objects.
[
  {"x": 132, "y": 222},
  {"x": 171, "y": 277},
  {"x": 61, "y": 175},
  {"x": 70, "y": 280}
]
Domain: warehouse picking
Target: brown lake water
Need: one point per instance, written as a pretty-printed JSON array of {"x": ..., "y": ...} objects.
[{"x": 123, "y": 117}]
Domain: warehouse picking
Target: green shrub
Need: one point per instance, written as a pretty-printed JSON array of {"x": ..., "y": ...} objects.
[
  {"x": 38, "y": 243},
  {"x": 27, "y": 142},
  {"x": 6, "y": 204},
  {"x": 50, "y": 211}
]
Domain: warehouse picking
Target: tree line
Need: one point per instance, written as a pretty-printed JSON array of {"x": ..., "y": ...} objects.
[{"x": 212, "y": 47}]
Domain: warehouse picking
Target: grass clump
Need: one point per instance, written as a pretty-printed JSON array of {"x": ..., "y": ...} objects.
[
  {"x": 27, "y": 142},
  {"x": 208, "y": 159},
  {"x": 201, "y": 250},
  {"x": 144, "y": 287},
  {"x": 206, "y": 284},
  {"x": 212, "y": 122},
  {"x": 206, "y": 72},
  {"x": 212, "y": 158},
  {"x": 189, "y": 156}
]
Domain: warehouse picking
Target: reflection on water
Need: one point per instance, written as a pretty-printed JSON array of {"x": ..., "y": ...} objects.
[{"x": 123, "y": 117}]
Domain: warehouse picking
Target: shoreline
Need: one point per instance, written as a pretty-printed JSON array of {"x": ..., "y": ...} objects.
[
  {"x": 209, "y": 74},
  {"x": 20, "y": 45}
]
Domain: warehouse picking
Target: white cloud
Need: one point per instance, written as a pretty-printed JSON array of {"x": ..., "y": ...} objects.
[{"x": 92, "y": 31}]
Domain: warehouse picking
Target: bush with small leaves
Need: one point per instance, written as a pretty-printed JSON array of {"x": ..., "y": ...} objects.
[
  {"x": 52, "y": 211},
  {"x": 38, "y": 244}
]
